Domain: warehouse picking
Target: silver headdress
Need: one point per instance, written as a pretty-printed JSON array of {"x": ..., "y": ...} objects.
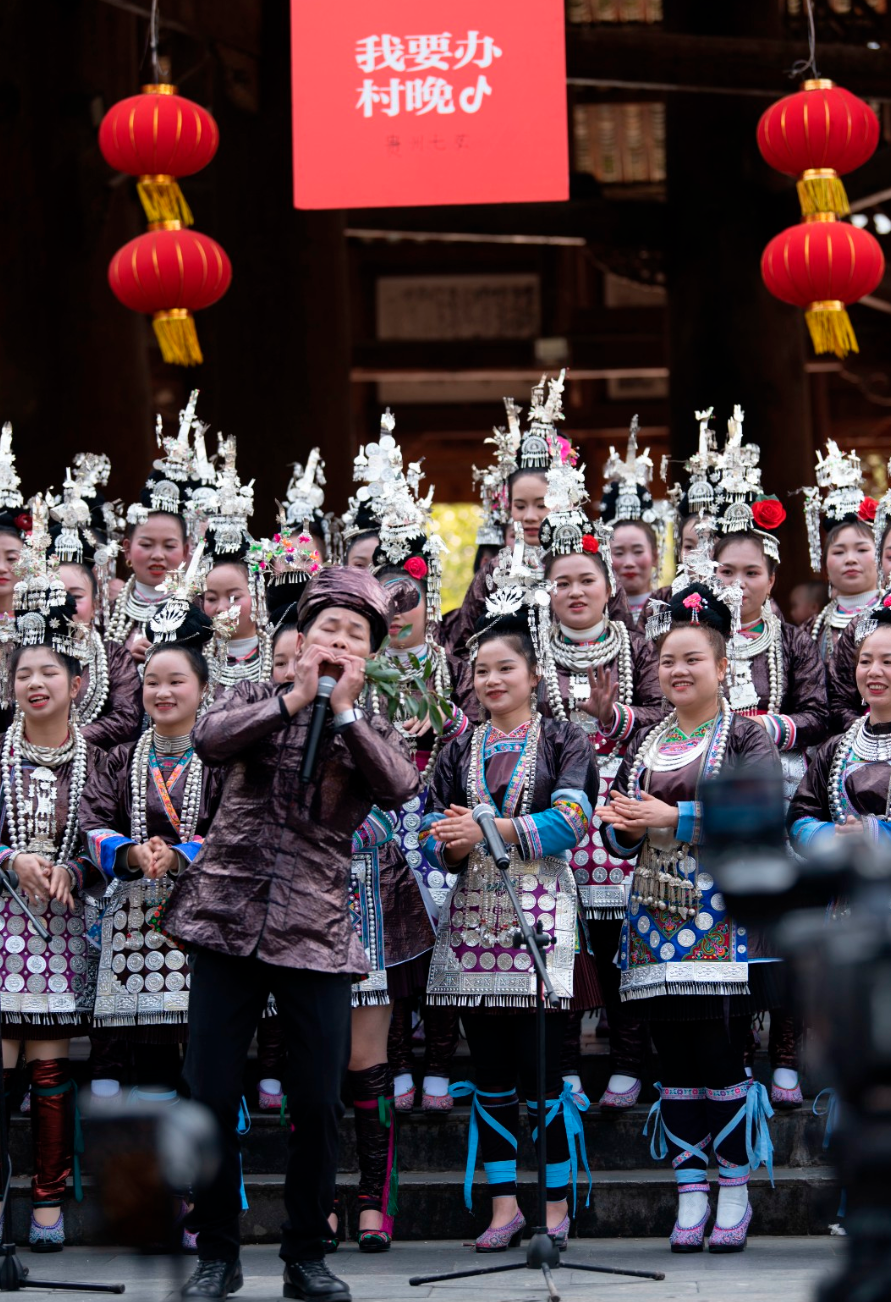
[
  {"x": 182, "y": 586},
  {"x": 839, "y": 475},
  {"x": 305, "y": 496},
  {"x": 173, "y": 478},
  {"x": 10, "y": 495},
  {"x": 630, "y": 477},
  {"x": 227, "y": 525},
  {"x": 516, "y": 590},
  {"x": 566, "y": 530},
  {"x": 374, "y": 465},
  {"x": 537, "y": 447},
  {"x": 407, "y": 537},
  {"x": 44, "y": 612},
  {"x": 740, "y": 484},
  {"x": 697, "y": 573}
]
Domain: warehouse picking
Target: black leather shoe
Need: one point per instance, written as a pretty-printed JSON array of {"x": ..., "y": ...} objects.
[
  {"x": 312, "y": 1281},
  {"x": 214, "y": 1279}
]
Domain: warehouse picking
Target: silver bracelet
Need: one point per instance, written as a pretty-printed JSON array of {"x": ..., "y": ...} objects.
[{"x": 345, "y": 718}]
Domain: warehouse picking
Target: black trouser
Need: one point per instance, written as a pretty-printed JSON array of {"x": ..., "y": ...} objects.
[
  {"x": 504, "y": 1048},
  {"x": 705, "y": 1059},
  {"x": 227, "y": 999},
  {"x": 627, "y": 1029}
]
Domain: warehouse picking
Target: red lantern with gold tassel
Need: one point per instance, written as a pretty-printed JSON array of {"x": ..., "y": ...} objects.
[
  {"x": 158, "y": 136},
  {"x": 819, "y": 134},
  {"x": 171, "y": 273},
  {"x": 821, "y": 266}
]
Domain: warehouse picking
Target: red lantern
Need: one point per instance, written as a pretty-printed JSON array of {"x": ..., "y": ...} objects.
[
  {"x": 171, "y": 272},
  {"x": 159, "y": 136},
  {"x": 818, "y": 133},
  {"x": 820, "y": 266}
]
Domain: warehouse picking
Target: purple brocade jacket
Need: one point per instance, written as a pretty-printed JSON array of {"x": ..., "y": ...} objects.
[{"x": 272, "y": 877}]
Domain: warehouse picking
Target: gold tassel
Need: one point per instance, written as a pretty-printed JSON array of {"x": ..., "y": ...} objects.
[
  {"x": 176, "y": 333},
  {"x": 163, "y": 200},
  {"x": 820, "y": 189},
  {"x": 831, "y": 329}
]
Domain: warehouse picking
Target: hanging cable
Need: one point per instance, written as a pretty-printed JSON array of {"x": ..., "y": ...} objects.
[
  {"x": 153, "y": 41},
  {"x": 808, "y": 66}
]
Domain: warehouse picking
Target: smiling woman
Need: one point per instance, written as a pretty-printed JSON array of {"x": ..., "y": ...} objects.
[{"x": 686, "y": 966}]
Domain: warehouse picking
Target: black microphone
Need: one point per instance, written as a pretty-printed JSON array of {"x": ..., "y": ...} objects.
[
  {"x": 327, "y": 685},
  {"x": 484, "y": 817}
]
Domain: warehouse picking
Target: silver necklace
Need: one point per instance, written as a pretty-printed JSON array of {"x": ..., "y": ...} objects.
[
  {"x": 93, "y": 703},
  {"x": 578, "y": 659},
  {"x": 741, "y": 690},
  {"x": 171, "y": 745},
  {"x": 255, "y": 669},
  {"x": 32, "y": 820},
  {"x": 131, "y": 609},
  {"x": 139, "y": 782}
]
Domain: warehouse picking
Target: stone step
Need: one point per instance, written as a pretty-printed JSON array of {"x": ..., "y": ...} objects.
[
  {"x": 624, "y": 1204},
  {"x": 614, "y": 1141}
]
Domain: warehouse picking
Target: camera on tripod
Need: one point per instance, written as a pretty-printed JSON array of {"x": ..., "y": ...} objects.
[{"x": 829, "y": 917}]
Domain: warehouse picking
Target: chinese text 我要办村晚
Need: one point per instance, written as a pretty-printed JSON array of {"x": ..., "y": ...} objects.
[{"x": 421, "y": 53}]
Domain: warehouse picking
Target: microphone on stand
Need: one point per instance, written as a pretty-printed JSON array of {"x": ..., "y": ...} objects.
[
  {"x": 484, "y": 817},
  {"x": 327, "y": 685}
]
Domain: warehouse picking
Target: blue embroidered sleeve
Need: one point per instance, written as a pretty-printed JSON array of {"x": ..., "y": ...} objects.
[
  {"x": 376, "y": 831},
  {"x": 430, "y": 846},
  {"x": 689, "y": 821},
  {"x": 107, "y": 850},
  {"x": 615, "y": 846},
  {"x": 806, "y": 832},
  {"x": 189, "y": 849}
]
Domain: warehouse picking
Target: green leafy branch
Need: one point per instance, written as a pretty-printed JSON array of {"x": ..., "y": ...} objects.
[{"x": 407, "y": 690}]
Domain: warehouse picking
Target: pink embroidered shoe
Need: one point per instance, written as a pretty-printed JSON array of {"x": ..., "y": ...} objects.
[
  {"x": 270, "y": 1102},
  {"x": 437, "y": 1103},
  {"x": 25, "y": 1105},
  {"x": 734, "y": 1239},
  {"x": 405, "y": 1102},
  {"x": 560, "y": 1233},
  {"x": 786, "y": 1100},
  {"x": 190, "y": 1243},
  {"x": 501, "y": 1239},
  {"x": 627, "y": 1099},
  {"x": 689, "y": 1239}
]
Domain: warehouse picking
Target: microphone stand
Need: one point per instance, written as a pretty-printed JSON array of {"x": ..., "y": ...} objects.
[
  {"x": 13, "y": 1274},
  {"x": 542, "y": 1252}
]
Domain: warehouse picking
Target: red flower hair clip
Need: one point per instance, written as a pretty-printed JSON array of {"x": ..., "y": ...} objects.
[
  {"x": 590, "y": 544},
  {"x": 768, "y": 512},
  {"x": 867, "y": 512},
  {"x": 416, "y": 566},
  {"x": 24, "y": 522},
  {"x": 694, "y": 603}
]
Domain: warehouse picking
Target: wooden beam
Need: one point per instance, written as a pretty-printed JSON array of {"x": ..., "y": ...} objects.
[
  {"x": 621, "y": 224},
  {"x": 595, "y": 357},
  {"x": 649, "y": 58}
]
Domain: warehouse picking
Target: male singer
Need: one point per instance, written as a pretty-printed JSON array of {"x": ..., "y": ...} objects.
[{"x": 263, "y": 909}]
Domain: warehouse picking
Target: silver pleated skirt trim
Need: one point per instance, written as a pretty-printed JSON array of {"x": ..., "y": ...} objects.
[
  {"x": 605, "y": 915},
  {"x": 685, "y": 988},
  {"x": 144, "y": 1019},
  {"x": 370, "y": 998},
  {"x": 486, "y": 1001},
  {"x": 44, "y": 1019}
]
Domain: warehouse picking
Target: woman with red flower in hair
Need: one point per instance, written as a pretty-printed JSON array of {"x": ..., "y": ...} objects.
[
  {"x": 602, "y": 676},
  {"x": 849, "y": 551},
  {"x": 774, "y": 675}
]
